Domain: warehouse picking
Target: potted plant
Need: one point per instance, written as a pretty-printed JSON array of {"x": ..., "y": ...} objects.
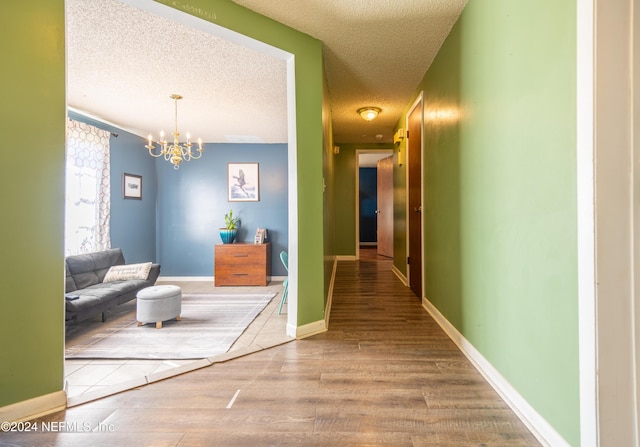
[{"x": 230, "y": 230}]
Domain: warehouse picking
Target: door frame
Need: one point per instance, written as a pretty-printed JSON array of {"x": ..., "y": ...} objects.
[
  {"x": 383, "y": 153},
  {"x": 608, "y": 168},
  {"x": 419, "y": 102}
]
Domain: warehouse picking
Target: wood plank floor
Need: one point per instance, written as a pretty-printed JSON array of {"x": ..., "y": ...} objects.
[{"x": 384, "y": 374}]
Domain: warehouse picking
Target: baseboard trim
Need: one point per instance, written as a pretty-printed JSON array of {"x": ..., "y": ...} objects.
[
  {"x": 538, "y": 426},
  {"x": 307, "y": 330},
  {"x": 34, "y": 408},
  {"x": 320, "y": 326},
  {"x": 185, "y": 278},
  {"x": 400, "y": 275},
  {"x": 327, "y": 307},
  {"x": 204, "y": 278}
]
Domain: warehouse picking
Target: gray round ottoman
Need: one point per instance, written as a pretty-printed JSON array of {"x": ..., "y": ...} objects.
[{"x": 157, "y": 304}]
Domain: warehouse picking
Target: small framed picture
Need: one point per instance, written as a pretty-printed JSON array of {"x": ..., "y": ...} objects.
[
  {"x": 131, "y": 186},
  {"x": 243, "y": 182},
  {"x": 261, "y": 236}
]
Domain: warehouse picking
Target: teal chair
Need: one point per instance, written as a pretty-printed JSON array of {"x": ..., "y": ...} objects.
[{"x": 284, "y": 257}]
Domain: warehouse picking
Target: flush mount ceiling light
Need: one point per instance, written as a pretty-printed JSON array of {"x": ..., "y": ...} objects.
[
  {"x": 175, "y": 152},
  {"x": 369, "y": 113}
]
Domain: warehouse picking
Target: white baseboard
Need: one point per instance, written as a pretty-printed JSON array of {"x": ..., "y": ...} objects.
[
  {"x": 185, "y": 278},
  {"x": 277, "y": 278},
  {"x": 34, "y": 408},
  {"x": 538, "y": 426},
  {"x": 400, "y": 275},
  {"x": 204, "y": 278}
]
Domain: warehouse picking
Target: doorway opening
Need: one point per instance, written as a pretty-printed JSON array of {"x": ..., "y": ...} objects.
[
  {"x": 289, "y": 329},
  {"x": 374, "y": 202}
]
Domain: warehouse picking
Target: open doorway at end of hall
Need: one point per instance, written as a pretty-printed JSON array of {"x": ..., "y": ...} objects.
[{"x": 374, "y": 203}]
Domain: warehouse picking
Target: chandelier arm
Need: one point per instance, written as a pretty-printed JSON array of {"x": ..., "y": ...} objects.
[
  {"x": 192, "y": 155},
  {"x": 152, "y": 149}
]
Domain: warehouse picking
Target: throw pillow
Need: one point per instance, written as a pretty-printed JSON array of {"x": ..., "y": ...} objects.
[{"x": 128, "y": 271}]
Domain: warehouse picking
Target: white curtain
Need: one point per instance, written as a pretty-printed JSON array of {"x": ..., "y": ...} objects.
[{"x": 88, "y": 186}]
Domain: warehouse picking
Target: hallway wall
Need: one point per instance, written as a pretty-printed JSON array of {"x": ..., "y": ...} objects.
[
  {"x": 32, "y": 263},
  {"x": 500, "y": 223}
]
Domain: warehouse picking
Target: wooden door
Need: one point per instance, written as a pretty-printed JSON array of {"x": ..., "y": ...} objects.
[
  {"x": 414, "y": 185},
  {"x": 384, "y": 212}
]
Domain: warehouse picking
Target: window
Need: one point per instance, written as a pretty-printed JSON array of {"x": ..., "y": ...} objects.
[{"x": 87, "y": 210}]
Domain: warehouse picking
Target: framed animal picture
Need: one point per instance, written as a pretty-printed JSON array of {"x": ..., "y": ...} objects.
[{"x": 243, "y": 182}]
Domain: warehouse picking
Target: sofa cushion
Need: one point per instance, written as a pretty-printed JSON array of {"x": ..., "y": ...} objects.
[
  {"x": 128, "y": 271},
  {"x": 89, "y": 269},
  {"x": 70, "y": 284},
  {"x": 97, "y": 294}
]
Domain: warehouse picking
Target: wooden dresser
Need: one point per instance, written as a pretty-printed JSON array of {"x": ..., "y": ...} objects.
[{"x": 242, "y": 264}]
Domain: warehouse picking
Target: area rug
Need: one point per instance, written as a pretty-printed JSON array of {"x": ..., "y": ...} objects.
[{"x": 210, "y": 324}]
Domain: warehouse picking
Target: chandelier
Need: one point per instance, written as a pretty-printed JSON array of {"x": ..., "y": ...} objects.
[{"x": 176, "y": 153}]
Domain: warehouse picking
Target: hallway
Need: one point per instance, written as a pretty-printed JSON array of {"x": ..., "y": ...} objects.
[{"x": 384, "y": 374}]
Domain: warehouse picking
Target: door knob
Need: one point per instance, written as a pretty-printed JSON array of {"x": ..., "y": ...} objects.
[{"x": 417, "y": 209}]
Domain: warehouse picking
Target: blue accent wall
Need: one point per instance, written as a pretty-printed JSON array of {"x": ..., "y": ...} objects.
[
  {"x": 177, "y": 221},
  {"x": 368, "y": 204},
  {"x": 133, "y": 222},
  {"x": 192, "y": 202}
]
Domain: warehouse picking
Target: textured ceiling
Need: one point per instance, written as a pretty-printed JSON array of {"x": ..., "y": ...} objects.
[
  {"x": 123, "y": 63},
  {"x": 375, "y": 52}
]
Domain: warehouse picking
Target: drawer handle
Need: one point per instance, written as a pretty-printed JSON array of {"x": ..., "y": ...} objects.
[
  {"x": 240, "y": 256},
  {"x": 240, "y": 274}
]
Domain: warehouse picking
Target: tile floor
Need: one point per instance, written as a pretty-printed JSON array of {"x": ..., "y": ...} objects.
[{"x": 90, "y": 379}]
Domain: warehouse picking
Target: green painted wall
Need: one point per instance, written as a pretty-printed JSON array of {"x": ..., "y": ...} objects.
[
  {"x": 500, "y": 220},
  {"x": 32, "y": 113},
  {"x": 345, "y": 204},
  {"x": 309, "y": 94}
]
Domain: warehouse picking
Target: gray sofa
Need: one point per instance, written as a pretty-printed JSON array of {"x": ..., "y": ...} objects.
[{"x": 87, "y": 295}]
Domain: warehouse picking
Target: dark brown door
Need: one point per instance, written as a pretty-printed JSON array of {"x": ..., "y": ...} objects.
[
  {"x": 414, "y": 180},
  {"x": 385, "y": 207}
]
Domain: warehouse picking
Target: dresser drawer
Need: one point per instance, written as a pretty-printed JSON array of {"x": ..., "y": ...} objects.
[
  {"x": 238, "y": 254},
  {"x": 232, "y": 275},
  {"x": 242, "y": 264}
]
